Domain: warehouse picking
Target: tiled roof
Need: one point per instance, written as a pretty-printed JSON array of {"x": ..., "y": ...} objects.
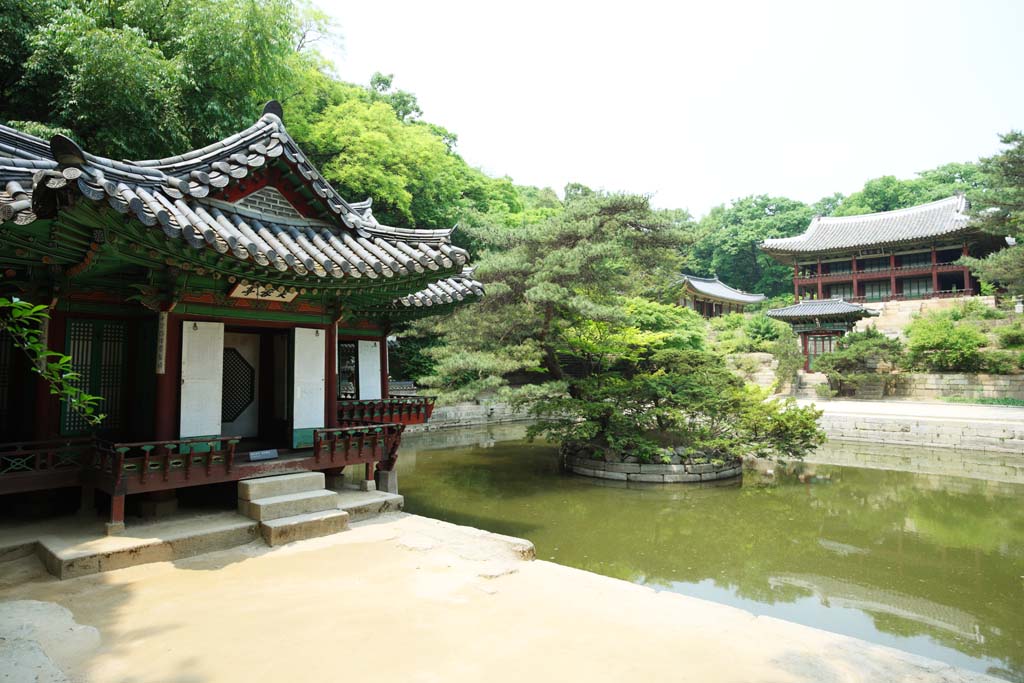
[
  {"x": 716, "y": 289},
  {"x": 173, "y": 195},
  {"x": 447, "y": 291},
  {"x": 829, "y": 233},
  {"x": 822, "y": 309}
]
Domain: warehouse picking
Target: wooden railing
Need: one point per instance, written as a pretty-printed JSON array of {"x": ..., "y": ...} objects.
[
  {"x": 406, "y": 410},
  {"x": 342, "y": 446},
  {"x": 145, "y": 459},
  {"x": 941, "y": 294},
  {"x": 40, "y": 456}
]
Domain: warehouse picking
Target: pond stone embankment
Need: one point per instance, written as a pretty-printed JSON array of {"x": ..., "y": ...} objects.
[{"x": 654, "y": 474}]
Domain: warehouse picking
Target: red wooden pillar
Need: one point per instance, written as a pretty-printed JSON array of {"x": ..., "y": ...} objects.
[
  {"x": 821, "y": 289},
  {"x": 116, "y": 523},
  {"x": 967, "y": 274},
  {"x": 892, "y": 276},
  {"x": 807, "y": 358},
  {"x": 796, "y": 285},
  {"x": 165, "y": 404},
  {"x": 935, "y": 272},
  {"x": 47, "y": 405},
  {"x": 385, "y": 388},
  {"x": 853, "y": 270},
  {"x": 331, "y": 374}
]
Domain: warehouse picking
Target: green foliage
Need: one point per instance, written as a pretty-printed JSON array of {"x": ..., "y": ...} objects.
[
  {"x": 729, "y": 238},
  {"x": 24, "y": 323},
  {"x": 858, "y": 357},
  {"x": 1013, "y": 402},
  {"x": 739, "y": 333},
  {"x": 974, "y": 309},
  {"x": 999, "y": 362},
  {"x": 937, "y": 342},
  {"x": 998, "y": 211},
  {"x": 183, "y": 72},
  {"x": 790, "y": 358},
  {"x": 688, "y": 396},
  {"x": 1011, "y": 336},
  {"x": 889, "y": 193}
]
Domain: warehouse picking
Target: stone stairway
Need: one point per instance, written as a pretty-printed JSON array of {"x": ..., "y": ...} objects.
[
  {"x": 291, "y": 507},
  {"x": 807, "y": 383}
]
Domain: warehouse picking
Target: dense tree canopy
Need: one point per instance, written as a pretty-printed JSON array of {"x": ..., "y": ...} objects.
[{"x": 1000, "y": 211}]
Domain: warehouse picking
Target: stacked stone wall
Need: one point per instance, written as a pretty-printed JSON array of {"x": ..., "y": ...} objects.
[
  {"x": 936, "y": 386},
  {"x": 654, "y": 474},
  {"x": 986, "y": 436}
]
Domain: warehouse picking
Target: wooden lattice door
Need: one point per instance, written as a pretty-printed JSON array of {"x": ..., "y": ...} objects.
[{"x": 97, "y": 350}]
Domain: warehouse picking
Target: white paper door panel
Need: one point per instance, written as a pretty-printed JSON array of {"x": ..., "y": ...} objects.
[
  {"x": 241, "y": 386},
  {"x": 369, "y": 369},
  {"x": 202, "y": 370},
  {"x": 308, "y": 396}
]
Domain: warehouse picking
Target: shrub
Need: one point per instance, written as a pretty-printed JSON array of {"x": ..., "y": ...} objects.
[
  {"x": 761, "y": 329},
  {"x": 999, "y": 362},
  {"x": 937, "y": 342},
  {"x": 1011, "y": 336},
  {"x": 824, "y": 391},
  {"x": 975, "y": 309},
  {"x": 858, "y": 355},
  {"x": 790, "y": 358}
]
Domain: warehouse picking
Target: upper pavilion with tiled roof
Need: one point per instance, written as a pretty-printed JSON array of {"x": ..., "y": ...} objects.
[
  {"x": 938, "y": 219},
  {"x": 713, "y": 288}
]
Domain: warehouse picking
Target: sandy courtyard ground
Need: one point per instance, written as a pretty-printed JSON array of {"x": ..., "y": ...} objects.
[{"x": 404, "y": 598}]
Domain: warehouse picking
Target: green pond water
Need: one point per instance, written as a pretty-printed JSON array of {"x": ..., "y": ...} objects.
[{"x": 927, "y": 563}]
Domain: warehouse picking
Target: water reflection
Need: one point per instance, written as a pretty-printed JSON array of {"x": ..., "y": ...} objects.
[{"x": 927, "y": 563}]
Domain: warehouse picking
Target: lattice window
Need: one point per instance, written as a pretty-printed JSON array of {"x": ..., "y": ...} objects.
[
  {"x": 97, "y": 350},
  {"x": 239, "y": 385},
  {"x": 876, "y": 291},
  {"x": 917, "y": 287},
  {"x": 348, "y": 377}
]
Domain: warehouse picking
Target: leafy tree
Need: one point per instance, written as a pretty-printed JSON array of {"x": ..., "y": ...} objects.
[
  {"x": 999, "y": 212},
  {"x": 23, "y": 322},
  {"x": 183, "y": 72},
  {"x": 610, "y": 363},
  {"x": 889, "y": 193},
  {"x": 729, "y": 238},
  {"x": 937, "y": 342},
  {"x": 857, "y": 356}
]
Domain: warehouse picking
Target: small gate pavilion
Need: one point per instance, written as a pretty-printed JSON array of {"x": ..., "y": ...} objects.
[
  {"x": 820, "y": 324},
  {"x": 216, "y": 301}
]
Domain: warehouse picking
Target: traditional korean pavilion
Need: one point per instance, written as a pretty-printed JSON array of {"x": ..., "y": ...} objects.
[
  {"x": 820, "y": 323},
  {"x": 216, "y": 301},
  {"x": 904, "y": 254},
  {"x": 711, "y": 297}
]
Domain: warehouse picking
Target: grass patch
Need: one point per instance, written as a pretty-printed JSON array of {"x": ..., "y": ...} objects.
[{"x": 1015, "y": 402}]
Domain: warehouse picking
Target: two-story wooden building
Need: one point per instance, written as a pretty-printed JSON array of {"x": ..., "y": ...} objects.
[
  {"x": 903, "y": 254},
  {"x": 215, "y": 300}
]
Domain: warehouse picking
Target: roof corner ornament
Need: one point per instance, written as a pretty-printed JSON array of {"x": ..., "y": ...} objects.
[
  {"x": 66, "y": 151},
  {"x": 274, "y": 107}
]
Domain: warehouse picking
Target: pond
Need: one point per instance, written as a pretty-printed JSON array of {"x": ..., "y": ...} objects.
[{"x": 927, "y": 563}]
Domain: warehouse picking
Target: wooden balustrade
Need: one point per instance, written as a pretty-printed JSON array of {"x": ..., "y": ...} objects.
[
  {"x": 371, "y": 443},
  {"x": 35, "y": 465},
  {"x": 162, "y": 458},
  {"x": 406, "y": 410}
]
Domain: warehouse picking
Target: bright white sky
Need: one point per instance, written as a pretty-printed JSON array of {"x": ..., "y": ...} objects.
[{"x": 698, "y": 103}]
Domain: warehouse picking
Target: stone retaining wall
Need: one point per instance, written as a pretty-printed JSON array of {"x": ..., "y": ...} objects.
[
  {"x": 469, "y": 414},
  {"x": 936, "y": 386},
  {"x": 653, "y": 474},
  {"x": 987, "y": 436}
]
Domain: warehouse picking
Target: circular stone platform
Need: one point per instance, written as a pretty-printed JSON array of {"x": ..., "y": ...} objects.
[{"x": 654, "y": 474}]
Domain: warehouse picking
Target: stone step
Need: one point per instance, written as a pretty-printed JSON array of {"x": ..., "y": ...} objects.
[
  {"x": 288, "y": 505},
  {"x": 280, "y": 485},
  {"x": 300, "y": 527}
]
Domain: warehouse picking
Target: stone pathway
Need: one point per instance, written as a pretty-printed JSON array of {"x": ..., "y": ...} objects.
[{"x": 406, "y": 598}]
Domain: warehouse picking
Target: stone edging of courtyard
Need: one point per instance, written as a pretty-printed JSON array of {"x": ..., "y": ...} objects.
[{"x": 654, "y": 473}]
